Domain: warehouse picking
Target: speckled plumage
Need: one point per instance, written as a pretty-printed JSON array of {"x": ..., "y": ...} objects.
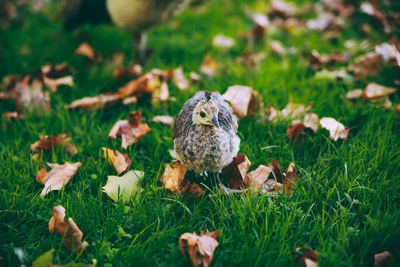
[{"x": 205, "y": 148}]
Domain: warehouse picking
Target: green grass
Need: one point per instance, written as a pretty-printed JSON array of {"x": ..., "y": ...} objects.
[{"x": 346, "y": 203}]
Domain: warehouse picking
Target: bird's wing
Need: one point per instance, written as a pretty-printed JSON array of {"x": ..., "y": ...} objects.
[{"x": 183, "y": 120}]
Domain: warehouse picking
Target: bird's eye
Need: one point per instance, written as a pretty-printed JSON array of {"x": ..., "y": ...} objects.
[{"x": 202, "y": 114}]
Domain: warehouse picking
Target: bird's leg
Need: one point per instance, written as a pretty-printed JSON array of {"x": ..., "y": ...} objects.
[{"x": 226, "y": 189}]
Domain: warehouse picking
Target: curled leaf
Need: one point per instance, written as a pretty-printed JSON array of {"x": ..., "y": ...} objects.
[
  {"x": 68, "y": 230},
  {"x": 306, "y": 257},
  {"x": 236, "y": 171},
  {"x": 254, "y": 180},
  {"x": 295, "y": 132},
  {"x": 125, "y": 73},
  {"x": 120, "y": 161},
  {"x": 384, "y": 258},
  {"x": 375, "y": 90},
  {"x": 123, "y": 187},
  {"x": 243, "y": 99},
  {"x": 335, "y": 128},
  {"x": 200, "y": 248},
  {"x": 58, "y": 176},
  {"x": 50, "y": 142},
  {"x": 179, "y": 79},
  {"x": 209, "y": 67},
  {"x": 130, "y": 130},
  {"x": 54, "y": 76}
]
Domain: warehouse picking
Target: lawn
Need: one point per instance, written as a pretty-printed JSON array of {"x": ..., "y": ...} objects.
[{"x": 345, "y": 206}]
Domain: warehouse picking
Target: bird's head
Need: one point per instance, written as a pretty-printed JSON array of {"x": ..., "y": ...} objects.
[{"x": 206, "y": 112}]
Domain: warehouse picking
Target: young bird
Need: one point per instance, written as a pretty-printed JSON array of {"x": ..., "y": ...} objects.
[
  {"x": 135, "y": 16},
  {"x": 204, "y": 134}
]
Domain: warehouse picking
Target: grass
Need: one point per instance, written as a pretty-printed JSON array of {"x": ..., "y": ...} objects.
[{"x": 345, "y": 206}]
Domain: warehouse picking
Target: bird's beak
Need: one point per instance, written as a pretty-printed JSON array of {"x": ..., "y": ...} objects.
[{"x": 214, "y": 121}]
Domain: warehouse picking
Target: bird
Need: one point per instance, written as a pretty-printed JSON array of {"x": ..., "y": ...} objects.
[
  {"x": 205, "y": 135},
  {"x": 135, "y": 16}
]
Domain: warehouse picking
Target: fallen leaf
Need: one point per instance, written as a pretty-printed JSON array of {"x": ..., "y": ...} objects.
[
  {"x": 292, "y": 111},
  {"x": 195, "y": 76},
  {"x": 161, "y": 93},
  {"x": 335, "y": 128},
  {"x": 129, "y": 100},
  {"x": 200, "y": 248},
  {"x": 306, "y": 257},
  {"x": 85, "y": 50},
  {"x": 54, "y": 76},
  {"x": 295, "y": 132},
  {"x": 179, "y": 79},
  {"x": 46, "y": 260},
  {"x": 95, "y": 102},
  {"x": 397, "y": 108},
  {"x": 388, "y": 53},
  {"x": 281, "y": 9},
  {"x": 369, "y": 9},
  {"x": 68, "y": 230},
  {"x": 50, "y": 142},
  {"x": 243, "y": 99},
  {"x": 164, "y": 119},
  {"x": 254, "y": 180},
  {"x": 125, "y": 73},
  {"x": 209, "y": 66},
  {"x": 236, "y": 171},
  {"x": 277, "y": 47},
  {"x": 12, "y": 115},
  {"x": 174, "y": 180},
  {"x": 366, "y": 65},
  {"x": 59, "y": 176},
  {"x": 311, "y": 121},
  {"x": 31, "y": 98},
  {"x": 120, "y": 161},
  {"x": 222, "y": 41},
  {"x": 318, "y": 60},
  {"x": 251, "y": 59},
  {"x": 322, "y": 22},
  {"x": 123, "y": 187},
  {"x": 375, "y": 90},
  {"x": 130, "y": 130},
  {"x": 354, "y": 94},
  {"x": 384, "y": 259},
  {"x": 147, "y": 83}
]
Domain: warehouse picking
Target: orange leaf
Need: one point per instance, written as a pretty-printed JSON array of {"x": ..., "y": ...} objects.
[
  {"x": 49, "y": 142},
  {"x": 120, "y": 161},
  {"x": 130, "y": 131},
  {"x": 85, "y": 50},
  {"x": 384, "y": 259},
  {"x": 69, "y": 231}
]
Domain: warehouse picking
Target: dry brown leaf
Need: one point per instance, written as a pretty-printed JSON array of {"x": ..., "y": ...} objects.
[
  {"x": 12, "y": 115},
  {"x": 125, "y": 73},
  {"x": 384, "y": 259},
  {"x": 209, "y": 66},
  {"x": 54, "y": 76},
  {"x": 236, "y": 171},
  {"x": 120, "y": 161},
  {"x": 31, "y": 98},
  {"x": 147, "y": 83},
  {"x": 335, "y": 128},
  {"x": 306, "y": 257},
  {"x": 243, "y": 99},
  {"x": 389, "y": 53},
  {"x": 58, "y": 176},
  {"x": 68, "y": 230},
  {"x": 50, "y": 142},
  {"x": 292, "y": 111},
  {"x": 322, "y": 22},
  {"x": 179, "y": 79},
  {"x": 200, "y": 248},
  {"x": 95, "y": 102},
  {"x": 295, "y": 132},
  {"x": 254, "y": 180},
  {"x": 354, "y": 94},
  {"x": 164, "y": 119},
  {"x": 375, "y": 90},
  {"x": 129, "y": 100},
  {"x": 280, "y": 182},
  {"x": 369, "y": 9},
  {"x": 174, "y": 180},
  {"x": 318, "y": 60},
  {"x": 251, "y": 59},
  {"x": 85, "y": 50},
  {"x": 130, "y": 130},
  {"x": 366, "y": 65}
]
